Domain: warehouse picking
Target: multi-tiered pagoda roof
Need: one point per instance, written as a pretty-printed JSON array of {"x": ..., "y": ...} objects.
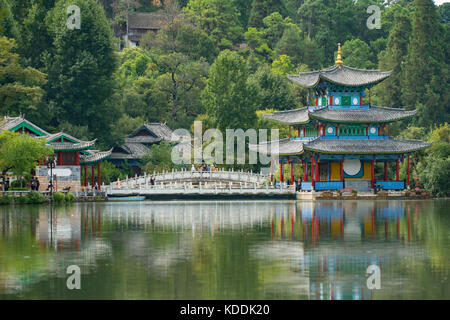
[{"x": 340, "y": 125}]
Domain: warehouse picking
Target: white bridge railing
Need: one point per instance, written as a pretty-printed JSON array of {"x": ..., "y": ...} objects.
[{"x": 187, "y": 179}]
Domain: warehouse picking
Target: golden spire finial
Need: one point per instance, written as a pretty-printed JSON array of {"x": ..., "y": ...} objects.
[{"x": 339, "y": 57}]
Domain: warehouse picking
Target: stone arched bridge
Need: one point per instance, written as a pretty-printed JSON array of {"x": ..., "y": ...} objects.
[{"x": 194, "y": 177}]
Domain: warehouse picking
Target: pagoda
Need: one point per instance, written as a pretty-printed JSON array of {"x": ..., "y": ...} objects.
[{"x": 339, "y": 139}]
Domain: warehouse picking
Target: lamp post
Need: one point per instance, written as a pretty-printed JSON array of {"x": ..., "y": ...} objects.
[{"x": 51, "y": 164}]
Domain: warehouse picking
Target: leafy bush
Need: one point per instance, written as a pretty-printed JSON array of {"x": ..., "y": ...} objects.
[
  {"x": 18, "y": 189},
  {"x": 70, "y": 197},
  {"x": 354, "y": 192},
  {"x": 5, "y": 200},
  {"x": 35, "y": 197},
  {"x": 59, "y": 197}
]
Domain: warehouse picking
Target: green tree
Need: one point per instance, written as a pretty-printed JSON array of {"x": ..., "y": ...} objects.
[
  {"x": 434, "y": 170},
  {"x": 274, "y": 90},
  {"x": 357, "y": 54},
  {"x": 180, "y": 85},
  {"x": 159, "y": 158},
  {"x": 20, "y": 88},
  {"x": 8, "y": 26},
  {"x": 80, "y": 68},
  {"x": 20, "y": 153},
  {"x": 35, "y": 38},
  {"x": 425, "y": 82},
  {"x": 263, "y": 8},
  {"x": 262, "y": 41},
  {"x": 179, "y": 35},
  {"x": 389, "y": 91},
  {"x": 219, "y": 18},
  {"x": 229, "y": 97}
]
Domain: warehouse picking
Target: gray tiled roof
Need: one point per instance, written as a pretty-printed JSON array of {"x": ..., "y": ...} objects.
[
  {"x": 343, "y": 146},
  {"x": 284, "y": 146},
  {"x": 93, "y": 156},
  {"x": 67, "y": 145},
  {"x": 365, "y": 146},
  {"x": 158, "y": 130},
  {"x": 7, "y": 123},
  {"x": 143, "y": 139},
  {"x": 373, "y": 114},
  {"x": 295, "y": 116},
  {"x": 60, "y": 134},
  {"x": 145, "y": 20},
  {"x": 346, "y": 76},
  {"x": 130, "y": 151},
  {"x": 61, "y": 146},
  {"x": 135, "y": 146}
]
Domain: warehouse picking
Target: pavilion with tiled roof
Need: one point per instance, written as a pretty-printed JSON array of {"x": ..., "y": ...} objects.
[
  {"x": 70, "y": 153},
  {"x": 138, "y": 144},
  {"x": 339, "y": 138}
]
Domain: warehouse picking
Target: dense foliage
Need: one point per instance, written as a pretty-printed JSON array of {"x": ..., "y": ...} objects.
[{"x": 219, "y": 60}]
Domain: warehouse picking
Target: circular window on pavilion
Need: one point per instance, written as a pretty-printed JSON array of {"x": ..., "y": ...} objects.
[
  {"x": 352, "y": 167},
  {"x": 330, "y": 130},
  {"x": 337, "y": 101},
  {"x": 373, "y": 130},
  {"x": 355, "y": 101}
]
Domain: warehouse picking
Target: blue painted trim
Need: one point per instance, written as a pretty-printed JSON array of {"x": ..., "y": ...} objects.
[
  {"x": 306, "y": 186},
  {"x": 391, "y": 185},
  {"x": 330, "y": 134},
  {"x": 328, "y": 185},
  {"x": 353, "y": 107}
]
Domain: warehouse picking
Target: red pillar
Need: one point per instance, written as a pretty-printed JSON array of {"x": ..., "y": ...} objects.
[
  {"x": 397, "y": 170},
  {"x": 312, "y": 172},
  {"x": 305, "y": 171},
  {"x": 60, "y": 161},
  {"x": 342, "y": 170},
  {"x": 77, "y": 158},
  {"x": 92, "y": 174},
  {"x": 304, "y": 132},
  {"x": 292, "y": 173},
  {"x": 271, "y": 170},
  {"x": 408, "y": 170},
  {"x": 281, "y": 172},
  {"x": 289, "y": 131},
  {"x": 373, "y": 173},
  {"x": 99, "y": 176},
  {"x": 85, "y": 175},
  {"x": 316, "y": 169},
  {"x": 385, "y": 172},
  {"x": 298, "y": 132}
]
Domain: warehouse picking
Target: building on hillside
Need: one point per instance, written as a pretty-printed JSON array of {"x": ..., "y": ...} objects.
[
  {"x": 138, "y": 144},
  {"x": 339, "y": 139},
  {"x": 71, "y": 155},
  {"x": 139, "y": 23}
]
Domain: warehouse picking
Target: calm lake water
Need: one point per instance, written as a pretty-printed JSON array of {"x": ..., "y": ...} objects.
[{"x": 227, "y": 250}]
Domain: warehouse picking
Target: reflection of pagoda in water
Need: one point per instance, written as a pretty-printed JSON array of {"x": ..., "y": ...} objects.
[{"x": 336, "y": 268}]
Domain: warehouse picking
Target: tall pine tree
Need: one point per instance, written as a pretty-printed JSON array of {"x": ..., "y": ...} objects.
[
  {"x": 425, "y": 83},
  {"x": 389, "y": 92},
  {"x": 263, "y": 8}
]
